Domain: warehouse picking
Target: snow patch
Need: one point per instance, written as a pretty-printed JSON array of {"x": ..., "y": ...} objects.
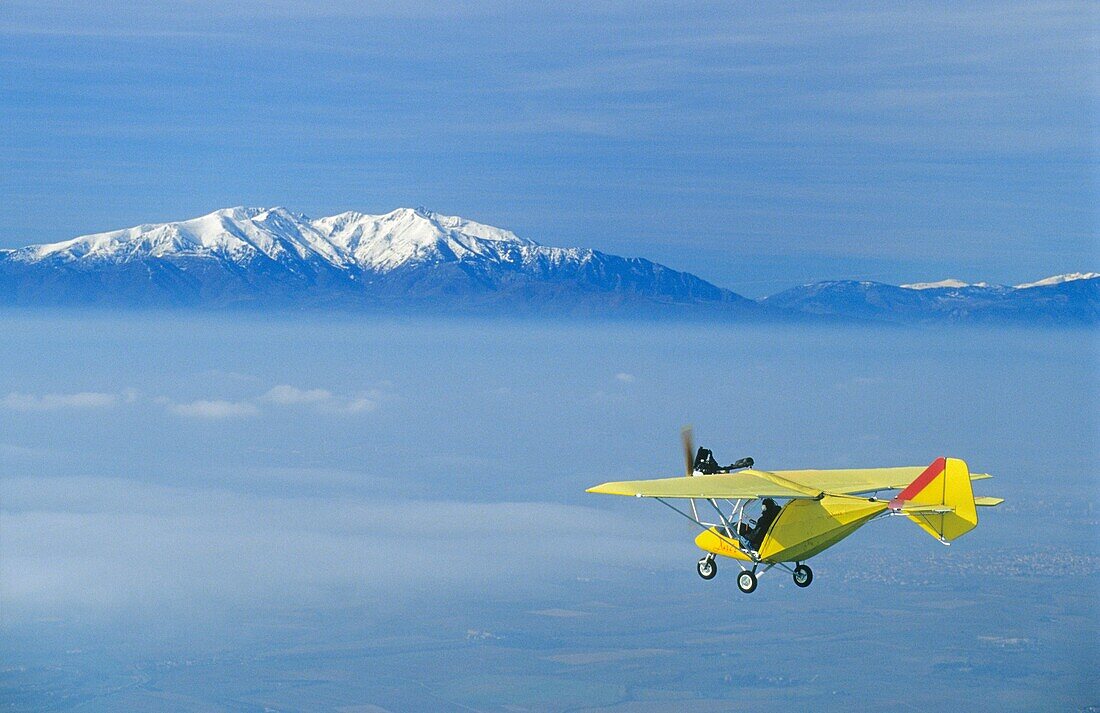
[
  {"x": 378, "y": 243},
  {"x": 951, "y": 282},
  {"x": 1059, "y": 279}
]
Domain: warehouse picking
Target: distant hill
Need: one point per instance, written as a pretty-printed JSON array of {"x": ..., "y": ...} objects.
[
  {"x": 1068, "y": 299},
  {"x": 418, "y": 260}
]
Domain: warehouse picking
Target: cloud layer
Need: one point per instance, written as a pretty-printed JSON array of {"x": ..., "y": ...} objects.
[
  {"x": 17, "y": 401},
  {"x": 102, "y": 545},
  {"x": 215, "y": 408},
  {"x": 287, "y": 395}
]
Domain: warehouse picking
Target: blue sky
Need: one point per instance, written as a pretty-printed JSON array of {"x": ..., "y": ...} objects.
[{"x": 756, "y": 146}]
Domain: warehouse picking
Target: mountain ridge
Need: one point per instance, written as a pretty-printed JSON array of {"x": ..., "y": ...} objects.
[
  {"x": 1073, "y": 298},
  {"x": 265, "y": 256},
  {"x": 419, "y": 259}
]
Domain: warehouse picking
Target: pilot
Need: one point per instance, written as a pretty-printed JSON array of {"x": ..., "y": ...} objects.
[
  {"x": 755, "y": 534},
  {"x": 768, "y": 514}
]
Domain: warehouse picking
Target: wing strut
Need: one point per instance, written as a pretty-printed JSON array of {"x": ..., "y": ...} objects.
[{"x": 702, "y": 525}]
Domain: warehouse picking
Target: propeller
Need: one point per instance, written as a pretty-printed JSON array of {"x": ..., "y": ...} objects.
[{"x": 687, "y": 437}]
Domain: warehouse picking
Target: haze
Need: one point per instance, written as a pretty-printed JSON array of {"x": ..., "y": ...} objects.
[{"x": 204, "y": 512}]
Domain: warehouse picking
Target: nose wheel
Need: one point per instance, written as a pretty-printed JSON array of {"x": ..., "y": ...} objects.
[
  {"x": 707, "y": 567},
  {"x": 803, "y": 575},
  {"x": 746, "y": 581}
]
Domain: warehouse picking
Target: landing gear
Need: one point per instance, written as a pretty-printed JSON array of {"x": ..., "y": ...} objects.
[
  {"x": 803, "y": 575},
  {"x": 707, "y": 567},
  {"x": 746, "y": 581}
]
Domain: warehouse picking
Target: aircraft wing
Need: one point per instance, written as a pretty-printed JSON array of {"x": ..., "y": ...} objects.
[
  {"x": 856, "y": 480},
  {"x": 751, "y": 483},
  {"x": 745, "y": 484}
]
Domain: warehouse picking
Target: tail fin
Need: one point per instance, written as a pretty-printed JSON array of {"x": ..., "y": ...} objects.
[{"x": 940, "y": 500}]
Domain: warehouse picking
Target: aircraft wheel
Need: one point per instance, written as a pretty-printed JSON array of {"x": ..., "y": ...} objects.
[
  {"x": 707, "y": 567},
  {"x": 746, "y": 581},
  {"x": 803, "y": 575}
]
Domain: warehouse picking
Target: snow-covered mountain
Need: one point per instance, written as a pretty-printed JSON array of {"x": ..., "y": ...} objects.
[
  {"x": 417, "y": 259},
  {"x": 271, "y": 256},
  {"x": 1060, "y": 279},
  {"x": 954, "y": 283},
  {"x": 1063, "y": 299}
]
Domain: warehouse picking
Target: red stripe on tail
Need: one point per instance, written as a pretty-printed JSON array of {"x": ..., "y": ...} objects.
[{"x": 930, "y": 473}]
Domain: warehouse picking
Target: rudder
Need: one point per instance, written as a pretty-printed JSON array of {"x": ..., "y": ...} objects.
[{"x": 940, "y": 500}]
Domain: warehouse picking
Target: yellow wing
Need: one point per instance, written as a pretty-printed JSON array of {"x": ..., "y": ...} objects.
[
  {"x": 751, "y": 483},
  {"x": 742, "y": 484},
  {"x": 855, "y": 480}
]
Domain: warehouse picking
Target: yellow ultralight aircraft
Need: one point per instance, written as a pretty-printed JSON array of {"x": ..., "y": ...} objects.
[{"x": 823, "y": 507}]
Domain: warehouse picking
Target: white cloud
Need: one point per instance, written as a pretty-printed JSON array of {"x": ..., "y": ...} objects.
[
  {"x": 361, "y": 402},
  {"x": 215, "y": 409},
  {"x": 287, "y": 395},
  {"x": 282, "y": 395},
  {"x": 625, "y": 377},
  {"x": 16, "y": 451},
  {"x": 359, "y": 405},
  {"x": 323, "y": 399},
  {"x": 53, "y": 402}
]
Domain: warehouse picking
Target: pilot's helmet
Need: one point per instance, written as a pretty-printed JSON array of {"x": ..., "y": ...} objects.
[{"x": 769, "y": 503}]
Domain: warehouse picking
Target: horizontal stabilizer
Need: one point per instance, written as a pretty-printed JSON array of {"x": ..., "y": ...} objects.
[
  {"x": 924, "y": 509},
  {"x": 987, "y": 502},
  {"x": 980, "y": 476}
]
